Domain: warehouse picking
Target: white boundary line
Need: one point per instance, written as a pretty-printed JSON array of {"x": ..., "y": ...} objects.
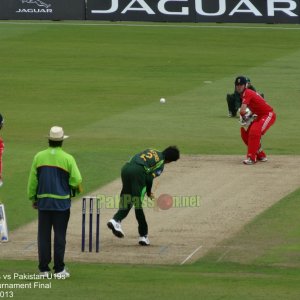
[
  {"x": 83, "y": 23},
  {"x": 188, "y": 257}
]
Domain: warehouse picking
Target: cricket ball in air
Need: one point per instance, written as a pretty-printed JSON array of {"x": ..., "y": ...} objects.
[
  {"x": 165, "y": 201},
  {"x": 162, "y": 100}
]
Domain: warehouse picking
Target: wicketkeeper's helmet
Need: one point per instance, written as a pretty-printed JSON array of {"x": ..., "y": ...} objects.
[{"x": 240, "y": 80}]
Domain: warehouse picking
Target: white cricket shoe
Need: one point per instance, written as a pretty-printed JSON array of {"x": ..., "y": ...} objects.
[
  {"x": 62, "y": 275},
  {"x": 248, "y": 161},
  {"x": 262, "y": 159},
  {"x": 116, "y": 228},
  {"x": 144, "y": 241}
]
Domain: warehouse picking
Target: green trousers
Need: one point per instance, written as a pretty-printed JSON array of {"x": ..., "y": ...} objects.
[{"x": 133, "y": 191}]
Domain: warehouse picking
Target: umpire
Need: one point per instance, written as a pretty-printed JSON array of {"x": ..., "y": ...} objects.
[{"x": 53, "y": 179}]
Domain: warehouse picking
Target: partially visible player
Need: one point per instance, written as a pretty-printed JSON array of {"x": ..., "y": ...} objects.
[
  {"x": 1, "y": 150},
  {"x": 264, "y": 119}
]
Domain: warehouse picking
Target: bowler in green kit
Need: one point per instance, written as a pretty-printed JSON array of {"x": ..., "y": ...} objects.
[{"x": 137, "y": 178}]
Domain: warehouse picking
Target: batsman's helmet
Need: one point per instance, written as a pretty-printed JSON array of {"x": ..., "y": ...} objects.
[{"x": 241, "y": 80}]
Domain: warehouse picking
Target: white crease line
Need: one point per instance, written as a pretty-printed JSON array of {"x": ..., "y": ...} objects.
[
  {"x": 223, "y": 255},
  {"x": 191, "y": 255}
]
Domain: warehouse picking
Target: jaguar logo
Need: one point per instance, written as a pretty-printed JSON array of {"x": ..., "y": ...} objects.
[{"x": 37, "y": 2}]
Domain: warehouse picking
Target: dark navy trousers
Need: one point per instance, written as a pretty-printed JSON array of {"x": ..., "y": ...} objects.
[{"x": 58, "y": 221}]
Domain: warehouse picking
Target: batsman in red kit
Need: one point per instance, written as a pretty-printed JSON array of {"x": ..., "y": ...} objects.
[{"x": 257, "y": 116}]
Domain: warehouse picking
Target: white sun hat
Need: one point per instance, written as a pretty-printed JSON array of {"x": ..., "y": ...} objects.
[{"x": 57, "y": 134}]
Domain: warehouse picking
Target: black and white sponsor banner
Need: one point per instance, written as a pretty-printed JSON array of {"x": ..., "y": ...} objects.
[
  {"x": 42, "y": 9},
  {"x": 141, "y": 10},
  {"x": 242, "y": 11}
]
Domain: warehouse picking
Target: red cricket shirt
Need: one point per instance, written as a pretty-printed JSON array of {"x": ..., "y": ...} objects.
[{"x": 256, "y": 103}]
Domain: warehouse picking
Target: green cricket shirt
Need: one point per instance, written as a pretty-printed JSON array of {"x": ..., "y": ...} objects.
[{"x": 53, "y": 174}]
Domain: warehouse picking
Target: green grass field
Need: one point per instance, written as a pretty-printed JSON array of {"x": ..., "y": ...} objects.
[{"x": 103, "y": 83}]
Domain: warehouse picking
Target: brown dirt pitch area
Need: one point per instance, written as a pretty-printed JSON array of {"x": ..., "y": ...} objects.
[{"x": 219, "y": 193}]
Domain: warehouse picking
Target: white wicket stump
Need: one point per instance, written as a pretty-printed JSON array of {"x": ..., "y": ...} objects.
[{"x": 3, "y": 225}]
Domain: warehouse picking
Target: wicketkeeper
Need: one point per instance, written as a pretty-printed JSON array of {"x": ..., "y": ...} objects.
[{"x": 137, "y": 178}]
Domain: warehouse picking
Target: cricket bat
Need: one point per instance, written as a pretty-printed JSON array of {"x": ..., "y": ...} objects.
[{"x": 3, "y": 225}]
